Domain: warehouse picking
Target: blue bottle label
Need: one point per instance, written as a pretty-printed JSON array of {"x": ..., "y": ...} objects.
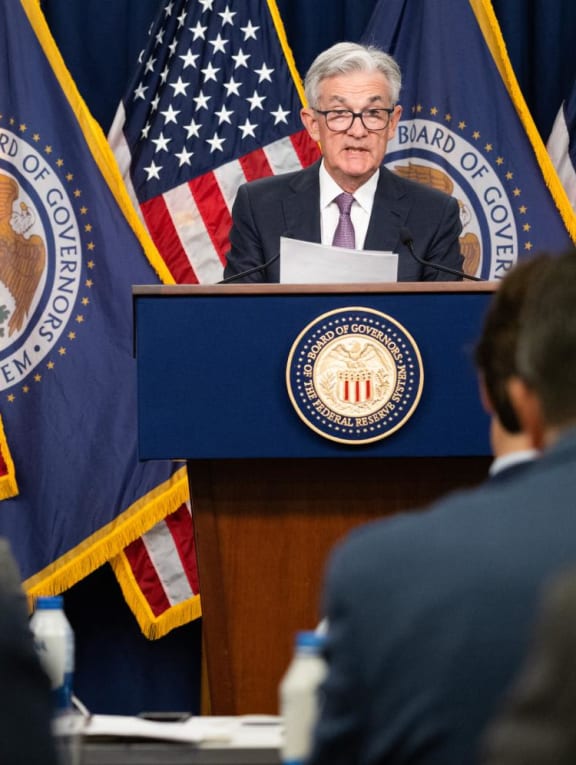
[{"x": 62, "y": 696}]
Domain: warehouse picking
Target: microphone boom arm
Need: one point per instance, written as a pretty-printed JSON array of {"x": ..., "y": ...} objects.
[{"x": 406, "y": 238}]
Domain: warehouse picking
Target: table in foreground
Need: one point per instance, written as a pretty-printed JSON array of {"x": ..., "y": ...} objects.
[
  {"x": 248, "y": 740},
  {"x": 169, "y": 753}
]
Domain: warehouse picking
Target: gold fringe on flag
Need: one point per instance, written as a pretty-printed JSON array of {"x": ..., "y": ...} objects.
[
  {"x": 111, "y": 539},
  {"x": 153, "y": 627}
]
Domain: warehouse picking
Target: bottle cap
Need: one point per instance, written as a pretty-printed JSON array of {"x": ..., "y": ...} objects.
[{"x": 55, "y": 602}]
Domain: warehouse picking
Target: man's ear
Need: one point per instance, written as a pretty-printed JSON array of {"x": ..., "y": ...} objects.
[
  {"x": 484, "y": 397},
  {"x": 394, "y": 120},
  {"x": 529, "y": 411},
  {"x": 310, "y": 122}
]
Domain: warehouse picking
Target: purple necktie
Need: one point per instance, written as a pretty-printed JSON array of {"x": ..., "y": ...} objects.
[{"x": 344, "y": 234}]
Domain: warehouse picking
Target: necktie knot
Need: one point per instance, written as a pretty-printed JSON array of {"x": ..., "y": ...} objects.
[
  {"x": 344, "y": 235},
  {"x": 344, "y": 202}
]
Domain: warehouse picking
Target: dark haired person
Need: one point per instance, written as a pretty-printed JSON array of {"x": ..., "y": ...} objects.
[
  {"x": 495, "y": 358},
  {"x": 430, "y": 613},
  {"x": 537, "y": 723}
]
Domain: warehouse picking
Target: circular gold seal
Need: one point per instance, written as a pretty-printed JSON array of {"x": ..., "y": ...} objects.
[{"x": 354, "y": 375}]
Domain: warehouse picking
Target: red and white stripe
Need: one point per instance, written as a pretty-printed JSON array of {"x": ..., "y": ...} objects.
[
  {"x": 164, "y": 561},
  {"x": 190, "y": 223}
]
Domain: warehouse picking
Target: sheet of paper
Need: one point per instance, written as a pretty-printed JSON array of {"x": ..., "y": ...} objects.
[
  {"x": 126, "y": 727},
  {"x": 310, "y": 263},
  {"x": 242, "y": 732}
]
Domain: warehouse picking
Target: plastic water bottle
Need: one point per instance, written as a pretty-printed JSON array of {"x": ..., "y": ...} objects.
[
  {"x": 54, "y": 641},
  {"x": 299, "y": 697}
]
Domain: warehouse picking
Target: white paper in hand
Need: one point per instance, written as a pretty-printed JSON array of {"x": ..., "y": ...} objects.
[{"x": 310, "y": 263}]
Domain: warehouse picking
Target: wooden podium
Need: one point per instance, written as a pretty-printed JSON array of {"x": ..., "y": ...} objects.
[{"x": 270, "y": 496}]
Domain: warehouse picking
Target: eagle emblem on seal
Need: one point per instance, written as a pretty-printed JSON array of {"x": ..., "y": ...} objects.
[
  {"x": 437, "y": 179},
  {"x": 22, "y": 256}
]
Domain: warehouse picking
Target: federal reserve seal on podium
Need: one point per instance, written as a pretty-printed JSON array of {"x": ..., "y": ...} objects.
[{"x": 354, "y": 375}]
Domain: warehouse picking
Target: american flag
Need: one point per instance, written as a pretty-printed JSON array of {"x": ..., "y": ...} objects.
[{"x": 215, "y": 102}]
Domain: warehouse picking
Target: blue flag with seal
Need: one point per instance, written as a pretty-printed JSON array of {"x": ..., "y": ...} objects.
[
  {"x": 466, "y": 129},
  {"x": 71, "y": 248}
]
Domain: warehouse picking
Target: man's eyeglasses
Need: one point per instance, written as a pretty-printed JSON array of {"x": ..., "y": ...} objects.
[{"x": 341, "y": 120}]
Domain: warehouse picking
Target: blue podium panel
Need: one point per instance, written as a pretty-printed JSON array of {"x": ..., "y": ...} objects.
[{"x": 212, "y": 362}]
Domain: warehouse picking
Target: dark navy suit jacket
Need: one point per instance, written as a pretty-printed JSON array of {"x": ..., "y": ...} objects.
[
  {"x": 289, "y": 205},
  {"x": 429, "y": 615}
]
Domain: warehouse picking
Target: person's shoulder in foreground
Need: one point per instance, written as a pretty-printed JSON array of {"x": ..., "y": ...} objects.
[
  {"x": 536, "y": 724},
  {"x": 25, "y": 700},
  {"x": 429, "y": 614},
  {"x": 353, "y": 112}
]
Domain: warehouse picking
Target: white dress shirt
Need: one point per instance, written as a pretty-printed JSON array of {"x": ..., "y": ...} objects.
[{"x": 359, "y": 213}]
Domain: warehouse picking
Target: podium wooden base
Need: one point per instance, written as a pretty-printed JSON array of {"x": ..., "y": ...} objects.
[{"x": 264, "y": 529}]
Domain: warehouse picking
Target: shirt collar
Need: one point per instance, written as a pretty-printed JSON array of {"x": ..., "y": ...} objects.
[
  {"x": 329, "y": 189},
  {"x": 509, "y": 460}
]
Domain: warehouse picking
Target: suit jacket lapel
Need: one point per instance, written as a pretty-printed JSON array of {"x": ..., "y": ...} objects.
[
  {"x": 389, "y": 212},
  {"x": 302, "y": 206}
]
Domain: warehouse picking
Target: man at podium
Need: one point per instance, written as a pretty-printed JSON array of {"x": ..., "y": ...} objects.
[{"x": 347, "y": 198}]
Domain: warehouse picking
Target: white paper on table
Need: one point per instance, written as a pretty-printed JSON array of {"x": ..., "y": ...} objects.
[
  {"x": 310, "y": 263},
  {"x": 242, "y": 732},
  {"x": 128, "y": 727}
]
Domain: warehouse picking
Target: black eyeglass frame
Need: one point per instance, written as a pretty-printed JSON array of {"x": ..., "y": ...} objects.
[{"x": 356, "y": 115}]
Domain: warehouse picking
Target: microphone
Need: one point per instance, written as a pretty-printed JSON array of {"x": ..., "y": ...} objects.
[
  {"x": 253, "y": 270},
  {"x": 406, "y": 238}
]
